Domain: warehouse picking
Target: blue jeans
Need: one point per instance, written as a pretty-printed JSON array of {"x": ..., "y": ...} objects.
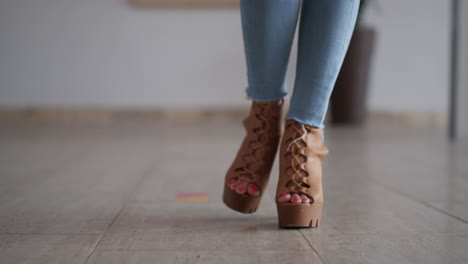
[{"x": 325, "y": 30}]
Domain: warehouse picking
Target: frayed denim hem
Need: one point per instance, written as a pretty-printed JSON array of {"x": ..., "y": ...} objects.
[
  {"x": 321, "y": 127},
  {"x": 261, "y": 97}
]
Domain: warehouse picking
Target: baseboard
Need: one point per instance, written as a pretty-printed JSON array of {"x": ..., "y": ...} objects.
[
  {"x": 429, "y": 119},
  {"x": 101, "y": 115}
]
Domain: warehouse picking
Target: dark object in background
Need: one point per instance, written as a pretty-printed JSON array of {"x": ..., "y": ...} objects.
[{"x": 348, "y": 100}]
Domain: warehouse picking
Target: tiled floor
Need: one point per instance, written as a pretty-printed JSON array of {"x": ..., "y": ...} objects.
[{"x": 94, "y": 193}]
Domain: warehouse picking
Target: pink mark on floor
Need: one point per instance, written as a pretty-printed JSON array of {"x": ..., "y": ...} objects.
[{"x": 192, "y": 197}]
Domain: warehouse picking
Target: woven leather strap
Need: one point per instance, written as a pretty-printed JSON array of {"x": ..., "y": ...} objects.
[
  {"x": 255, "y": 156},
  {"x": 301, "y": 155}
]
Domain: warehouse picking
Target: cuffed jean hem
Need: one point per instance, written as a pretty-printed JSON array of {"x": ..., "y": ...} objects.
[
  {"x": 262, "y": 97},
  {"x": 306, "y": 118}
]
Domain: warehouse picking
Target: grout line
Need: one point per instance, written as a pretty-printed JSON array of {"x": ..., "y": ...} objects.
[
  {"x": 444, "y": 212},
  {"x": 126, "y": 200},
  {"x": 150, "y": 250},
  {"x": 310, "y": 244},
  {"x": 49, "y": 233},
  {"x": 396, "y": 191},
  {"x": 105, "y": 233}
]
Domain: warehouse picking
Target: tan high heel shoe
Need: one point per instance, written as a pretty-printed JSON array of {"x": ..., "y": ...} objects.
[
  {"x": 255, "y": 156},
  {"x": 301, "y": 154}
]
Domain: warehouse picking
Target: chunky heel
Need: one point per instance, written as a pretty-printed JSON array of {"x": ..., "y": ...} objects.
[{"x": 299, "y": 215}]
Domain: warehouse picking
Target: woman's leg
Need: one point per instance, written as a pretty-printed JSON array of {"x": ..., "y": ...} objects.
[
  {"x": 325, "y": 31},
  {"x": 268, "y": 29}
]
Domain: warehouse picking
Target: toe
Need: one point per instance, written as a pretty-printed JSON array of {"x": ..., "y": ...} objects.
[
  {"x": 295, "y": 198},
  {"x": 231, "y": 182},
  {"x": 284, "y": 198},
  {"x": 235, "y": 184},
  {"x": 304, "y": 199},
  {"x": 253, "y": 190},
  {"x": 242, "y": 188}
]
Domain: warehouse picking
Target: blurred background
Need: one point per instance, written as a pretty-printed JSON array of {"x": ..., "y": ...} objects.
[
  {"x": 119, "y": 119},
  {"x": 117, "y": 54}
]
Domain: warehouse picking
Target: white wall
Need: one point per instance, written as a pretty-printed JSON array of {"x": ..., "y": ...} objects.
[
  {"x": 105, "y": 53},
  {"x": 412, "y": 59}
]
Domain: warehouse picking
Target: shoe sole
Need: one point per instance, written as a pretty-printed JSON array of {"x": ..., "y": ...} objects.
[
  {"x": 240, "y": 202},
  {"x": 299, "y": 215}
]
